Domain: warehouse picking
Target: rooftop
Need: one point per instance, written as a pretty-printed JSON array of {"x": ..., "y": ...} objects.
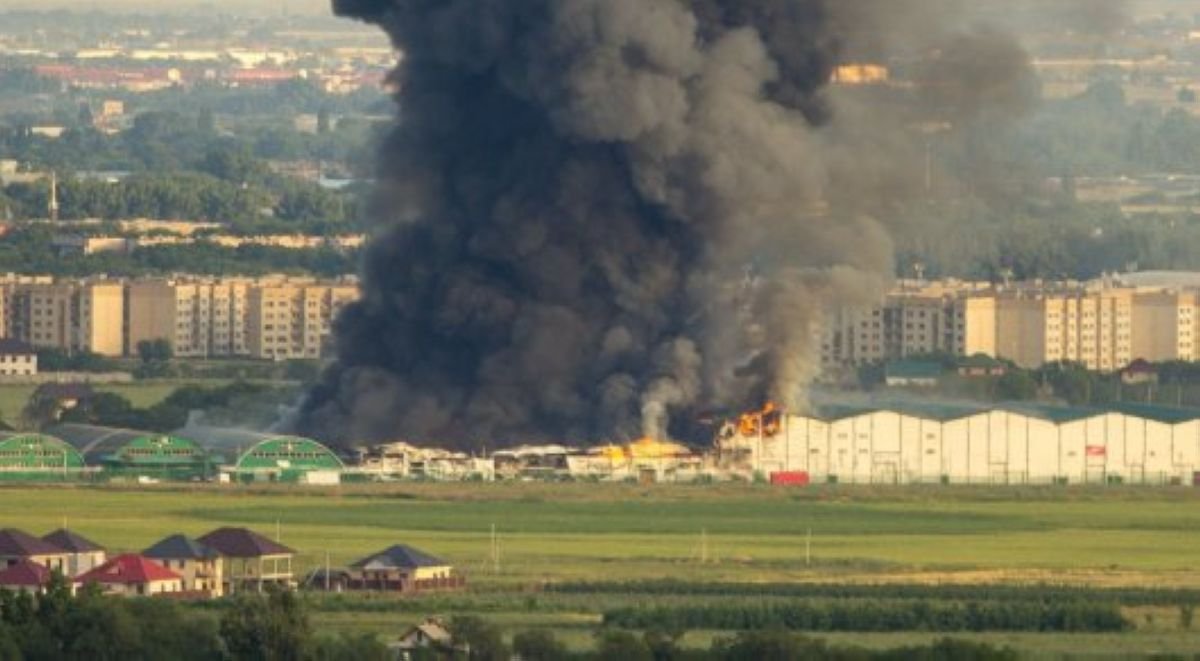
[
  {"x": 20, "y": 544},
  {"x": 25, "y": 573},
  {"x": 127, "y": 569},
  {"x": 242, "y": 543},
  {"x": 68, "y": 540},
  {"x": 400, "y": 556},
  {"x": 180, "y": 547}
]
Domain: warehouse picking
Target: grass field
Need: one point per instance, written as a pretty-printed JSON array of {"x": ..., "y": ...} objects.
[
  {"x": 141, "y": 394},
  {"x": 550, "y": 533}
]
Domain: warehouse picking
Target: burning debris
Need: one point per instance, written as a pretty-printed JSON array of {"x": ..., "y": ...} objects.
[{"x": 570, "y": 202}]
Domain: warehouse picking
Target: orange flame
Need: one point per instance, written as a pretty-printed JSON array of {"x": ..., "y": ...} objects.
[
  {"x": 861, "y": 74},
  {"x": 767, "y": 422}
]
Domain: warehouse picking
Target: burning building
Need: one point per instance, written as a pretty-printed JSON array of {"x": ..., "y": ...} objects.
[{"x": 597, "y": 217}]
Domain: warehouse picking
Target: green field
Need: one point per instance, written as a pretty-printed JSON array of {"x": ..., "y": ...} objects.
[
  {"x": 142, "y": 394},
  {"x": 744, "y": 533}
]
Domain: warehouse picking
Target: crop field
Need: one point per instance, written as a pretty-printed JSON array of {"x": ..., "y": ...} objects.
[{"x": 597, "y": 535}]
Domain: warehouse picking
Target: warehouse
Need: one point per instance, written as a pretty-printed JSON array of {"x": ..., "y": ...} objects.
[
  {"x": 1011, "y": 444},
  {"x": 37, "y": 457},
  {"x": 248, "y": 456},
  {"x": 137, "y": 453}
]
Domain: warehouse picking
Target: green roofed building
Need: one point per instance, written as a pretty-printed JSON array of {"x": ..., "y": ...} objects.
[
  {"x": 131, "y": 452},
  {"x": 250, "y": 456},
  {"x": 37, "y": 457}
]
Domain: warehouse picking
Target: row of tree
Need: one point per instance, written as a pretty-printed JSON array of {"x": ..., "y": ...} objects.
[
  {"x": 1125, "y": 596},
  {"x": 30, "y": 249},
  {"x": 880, "y": 615},
  {"x": 478, "y": 640}
]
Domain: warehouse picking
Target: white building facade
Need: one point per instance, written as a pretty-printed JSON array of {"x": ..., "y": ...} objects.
[{"x": 1017, "y": 445}]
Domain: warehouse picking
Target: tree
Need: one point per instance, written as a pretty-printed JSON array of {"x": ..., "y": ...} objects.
[
  {"x": 479, "y": 639},
  {"x": 1016, "y": 385},
  {"x": 273, "y": 627},
  {"x": 623, "y": 645},
  {"x": 538, "y": 645},
  {"x": 154, "y": 351}
]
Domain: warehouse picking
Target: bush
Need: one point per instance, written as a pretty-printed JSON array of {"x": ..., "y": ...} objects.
[{"x": 864, "y": 615}]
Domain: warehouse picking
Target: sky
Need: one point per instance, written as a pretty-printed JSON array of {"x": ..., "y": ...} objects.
[{"x": 259, "y": 6}]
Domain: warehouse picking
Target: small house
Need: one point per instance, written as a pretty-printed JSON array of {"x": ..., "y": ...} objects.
[
  {"x": 420, "y": 640},
  {"x": 24, "y": 576},
  {"x": 17, "y": 545},
  {"x": 981, "y": 366},
  {"x": 133, "y": 575},
  {"x": 251, "y": 561},
  {"x": 1139, "y": 372},
  {"x": 17, "y": 358},
  {"x": 83, "y": 556},
  {"x": 402, "y": 568},
  {"x": 906, "y": 373},
  {"x": 198, "y": 564}
]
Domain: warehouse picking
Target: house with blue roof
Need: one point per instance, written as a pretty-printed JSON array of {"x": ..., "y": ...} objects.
[{"x": 403, "y": 568}]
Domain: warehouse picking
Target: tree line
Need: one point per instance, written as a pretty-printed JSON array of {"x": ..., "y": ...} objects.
[
  {"x": 880, "y": 615},
  {"x": 60, "y": 626},
  {"x": 1125, "y": 596}
]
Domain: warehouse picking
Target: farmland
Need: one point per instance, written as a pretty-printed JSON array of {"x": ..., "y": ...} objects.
[{"x": 598, "y": 534}]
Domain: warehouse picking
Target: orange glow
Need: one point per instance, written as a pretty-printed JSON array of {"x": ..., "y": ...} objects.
[
  {"x": 644, "y": 448},
  {"x": 861, "y": 74},
  {"x": 767, "y": 422}
]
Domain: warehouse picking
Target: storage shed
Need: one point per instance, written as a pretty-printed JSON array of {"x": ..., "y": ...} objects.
[
  {"x": 250, "y": 456},
  {"x": 37, "y": 457},
  {"x": 139, "y": 453}
]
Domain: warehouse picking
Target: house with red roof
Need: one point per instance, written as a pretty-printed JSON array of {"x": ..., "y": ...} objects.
[
  {"x": 17, "y": 545},
  {"x": 24, "y": 576},
  {"x": 251, "y": 561},
  {"x": 133, "y": 575}
]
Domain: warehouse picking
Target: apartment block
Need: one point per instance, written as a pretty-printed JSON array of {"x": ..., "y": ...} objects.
[
  {"x": 270, "y": 318},
  {"x": 1100, "y": 325},
  {"x": 71, "y": 316},
  {"x": 294, "y": 319},
  {"x": 199, "y": 318}
]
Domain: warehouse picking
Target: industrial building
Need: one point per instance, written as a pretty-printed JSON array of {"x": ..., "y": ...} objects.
[
  {"x": 37, "y": 457},
  {"x": 949, "y": 444},
  {"x": 137, "y": 453},
  {"x": 249, "y": 456}
]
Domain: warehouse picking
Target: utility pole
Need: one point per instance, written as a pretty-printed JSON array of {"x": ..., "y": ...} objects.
[
  {"x": 53, "y": 206},
  {"x": 495, "y": 553},
  {"x": 808, "y": 548}
]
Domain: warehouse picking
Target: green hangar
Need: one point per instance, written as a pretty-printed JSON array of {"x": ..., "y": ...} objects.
[
  {"x": 133, "y": 453},
  {"x": 250, "y": 456},
  {"x": 37, "y": 458}
]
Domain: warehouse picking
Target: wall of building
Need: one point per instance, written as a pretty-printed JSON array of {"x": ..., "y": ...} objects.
[{"x": 994, "y": 447}]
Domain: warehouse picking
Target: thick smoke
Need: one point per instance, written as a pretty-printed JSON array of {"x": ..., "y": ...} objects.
[{"x": 599, "y": 217}]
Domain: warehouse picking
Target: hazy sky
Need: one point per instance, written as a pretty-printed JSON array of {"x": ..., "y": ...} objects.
[{"x": 259, "y": 6}]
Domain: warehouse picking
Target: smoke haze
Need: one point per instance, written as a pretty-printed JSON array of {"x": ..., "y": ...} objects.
[{"x": 598, "y": 218}]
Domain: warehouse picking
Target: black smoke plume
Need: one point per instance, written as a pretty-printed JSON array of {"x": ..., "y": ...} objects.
[{"x": 600, "y": 217}]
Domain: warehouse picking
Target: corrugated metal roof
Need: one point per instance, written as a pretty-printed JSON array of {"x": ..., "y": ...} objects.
[
  {"x": 95, "y": 442},
  {"x": 231, "y": 443},
  {"x": 1167, "y": 414}
]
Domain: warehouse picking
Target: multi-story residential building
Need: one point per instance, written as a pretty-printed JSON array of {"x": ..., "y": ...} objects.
[
  {"x": 291, "y": 319},
  {"x": 271, "y": 318},
  {"x": 71, "y": 315},
  {"x": 199, "y": 318},
  {"x": 1100, "y": 325}
]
